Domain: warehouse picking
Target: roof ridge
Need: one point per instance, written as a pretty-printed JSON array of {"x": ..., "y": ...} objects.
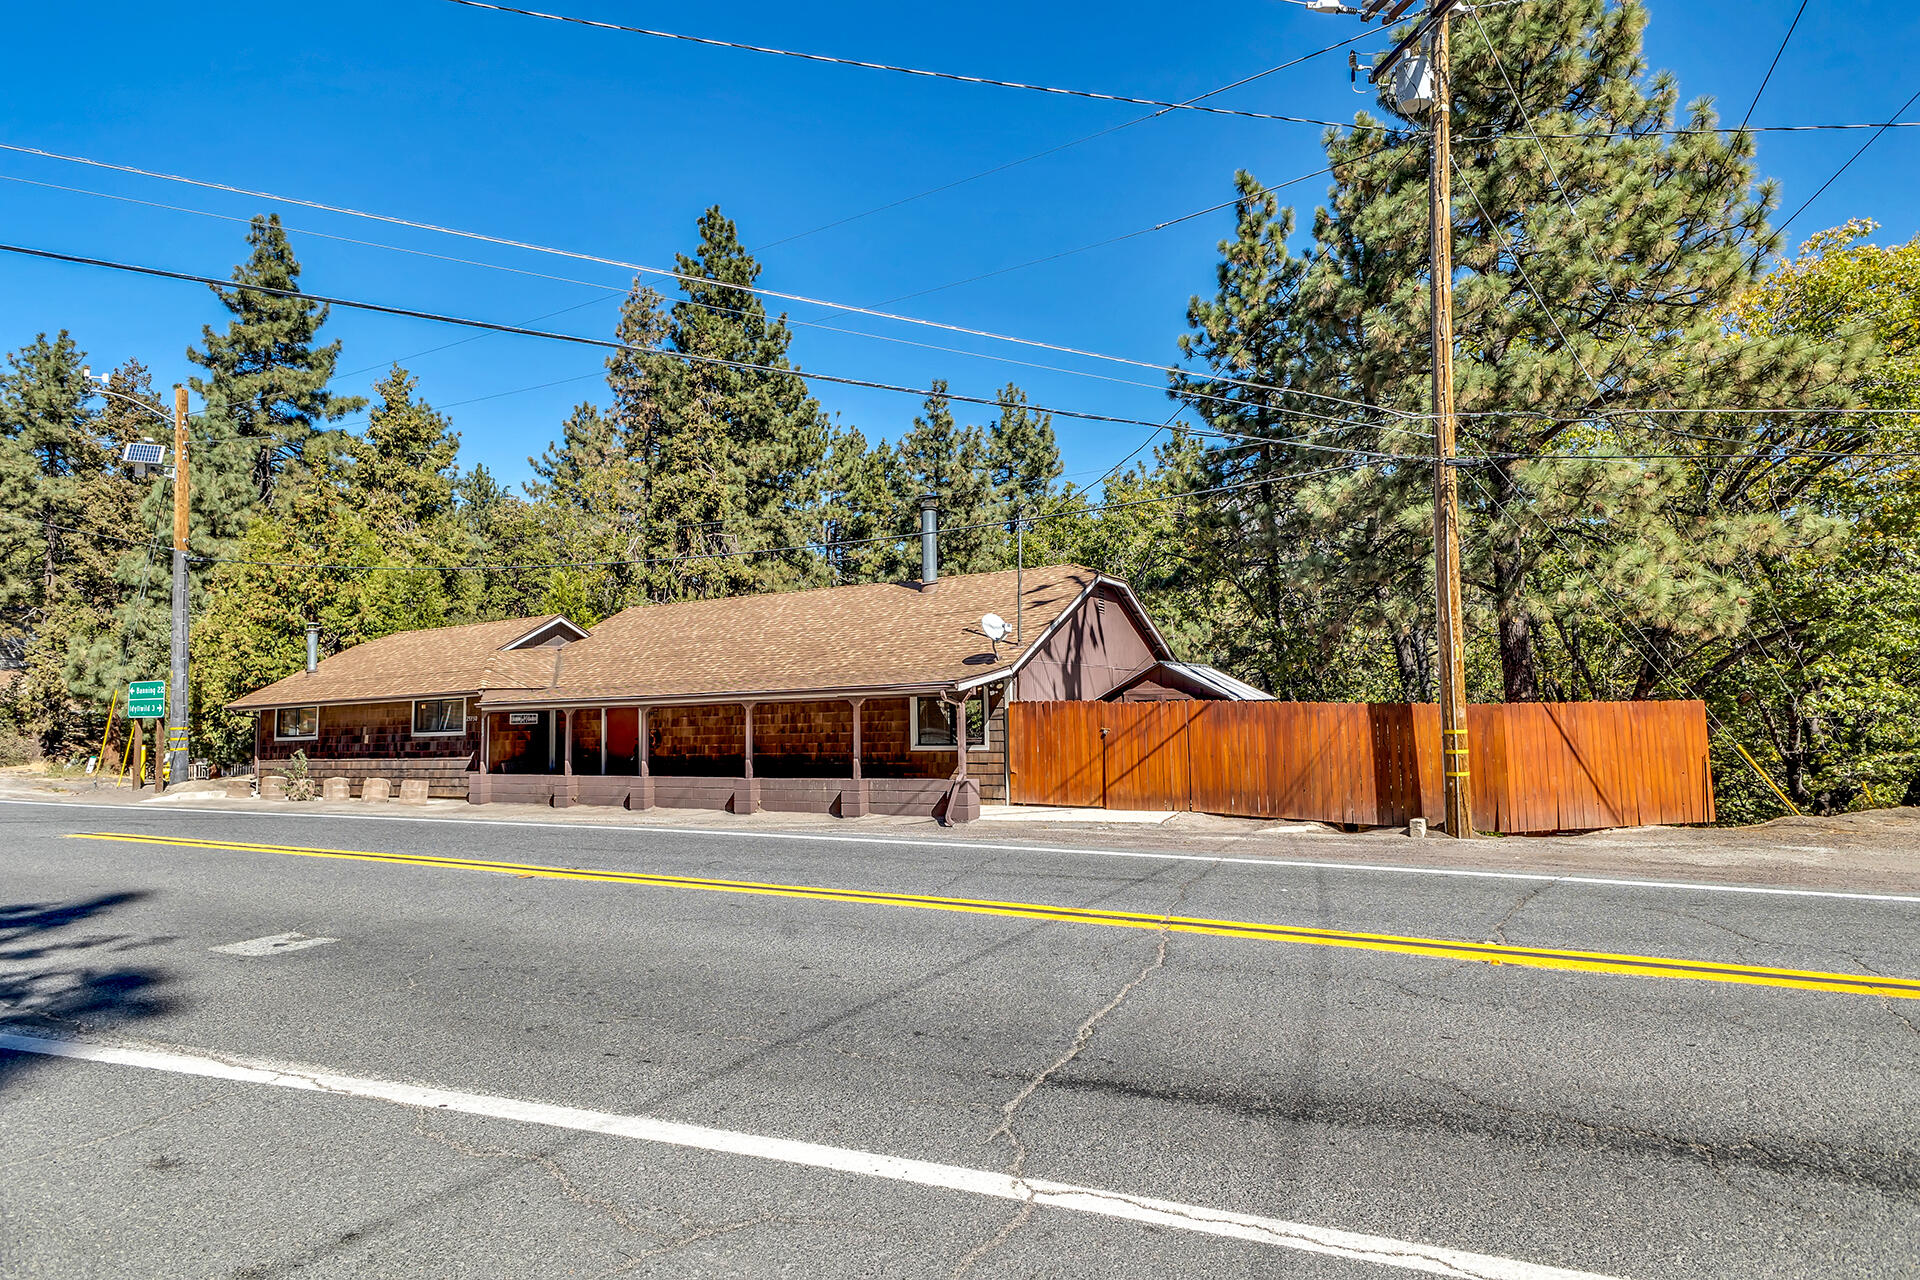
[{"x": 1062, "y": 565}]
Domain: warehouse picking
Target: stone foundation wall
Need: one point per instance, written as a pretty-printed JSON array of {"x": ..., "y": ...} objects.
[{"x": 445, "y": 778}]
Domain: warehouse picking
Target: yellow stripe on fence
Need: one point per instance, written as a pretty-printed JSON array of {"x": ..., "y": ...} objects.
[{"x": 1432, "y": 948}]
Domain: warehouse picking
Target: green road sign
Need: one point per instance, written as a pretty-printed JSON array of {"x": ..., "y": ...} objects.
[{"x": 146, "y": 699}]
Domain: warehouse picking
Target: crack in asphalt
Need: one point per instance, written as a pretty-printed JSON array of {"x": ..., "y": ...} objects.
[
  {"x": 804, "y": 1034},
  {"x": 1081, "y": 1036},
  {"x": 1500, "y": 925},
  {"x": 548, "y": 1165},
  {"x": 1894, "y": 1009},
  {"x": 705, "y": 1233}
]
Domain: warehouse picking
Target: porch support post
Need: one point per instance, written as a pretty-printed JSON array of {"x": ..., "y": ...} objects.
[
  {"x": 479, "y": 786},
  {"x": 960, "y": 736},
  {"x": 641, "y": 797},
  {"x": 963, "y": 798},
  {"x": 853, "y": 803},
  {"x": 563, "y": 790},
  {"x": 603, "y": 742},
  {"x": 747, "y": 800}
]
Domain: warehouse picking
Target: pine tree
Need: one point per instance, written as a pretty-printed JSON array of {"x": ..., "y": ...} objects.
[
  {"x": 403, "y": 466},
  {"x": 266, "y": 384},
  {"x": 866, "y": 512},
  {"x": 68, "y": 509},
  {"x": 1022, "y": 453},
  {"x": 737, "y": 451},
  {"x": 1598, "y": 259},
  {"x": 128, "y": 635},
  {"x": 688, "y": 515},
  {"x": 941, "y": 457}
]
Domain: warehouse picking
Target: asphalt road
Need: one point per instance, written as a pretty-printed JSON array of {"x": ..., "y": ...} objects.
[{"x": 1646, "y": 1126}]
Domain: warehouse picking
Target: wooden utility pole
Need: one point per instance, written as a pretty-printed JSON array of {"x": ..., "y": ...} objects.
[
  {"x": 173, "y": 766},
  {"x": 1456, "y": 780}
]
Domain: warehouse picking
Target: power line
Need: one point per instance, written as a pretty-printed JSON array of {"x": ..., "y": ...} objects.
[
  {"x": 610, "y": 345},
  {"x": 680, "y": 276},
  {"x": 609, "y": 293},
  {"x": 1768, "y": 78},
  {"x": 1703, "y": 130},
  {"x": 1849, "y": 163},
  {"x": 1053, "y": 150},
  {"x": 897, "y": 70},
  {"x": 1266, "y": 189},
  {"x": 819, "y": 547}
]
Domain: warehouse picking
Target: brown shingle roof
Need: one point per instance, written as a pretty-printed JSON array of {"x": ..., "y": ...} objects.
[
  {"x": 879, "y": 636},
  {"x": 415, "y": 664}
]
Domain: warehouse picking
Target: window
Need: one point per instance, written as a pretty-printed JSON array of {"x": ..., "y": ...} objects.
[
  {"x": 296, "y": 723},
  {"x": 439, "y": 717},
  {"x": 933, "y": 723}
]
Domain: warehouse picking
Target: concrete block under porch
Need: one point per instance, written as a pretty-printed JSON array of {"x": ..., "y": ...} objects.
[{"x": 946, "y": 799}]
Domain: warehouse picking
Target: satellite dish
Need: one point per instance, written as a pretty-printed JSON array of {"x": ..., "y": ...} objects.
[{"x": 995, "y": 627}]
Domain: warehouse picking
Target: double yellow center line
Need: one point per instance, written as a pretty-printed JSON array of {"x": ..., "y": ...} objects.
[{"x": 1433, "y": 948}]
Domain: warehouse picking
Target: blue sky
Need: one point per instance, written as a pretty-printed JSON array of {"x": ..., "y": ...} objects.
[{"x": 613, "y": 144}]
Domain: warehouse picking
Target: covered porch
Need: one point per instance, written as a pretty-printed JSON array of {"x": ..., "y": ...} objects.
[{"x": 848, "y": 756}]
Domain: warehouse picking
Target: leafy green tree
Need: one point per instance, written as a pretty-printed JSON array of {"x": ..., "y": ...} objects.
[
  {"x": 1824, "y": 683},
  {"x": 266, "y": 386},
  {"x": 326, "y": 554}
]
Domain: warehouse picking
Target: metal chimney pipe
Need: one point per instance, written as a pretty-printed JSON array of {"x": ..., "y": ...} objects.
[
  {"x": 929, "y": 541},
  {"x": 313, "y": 646}
]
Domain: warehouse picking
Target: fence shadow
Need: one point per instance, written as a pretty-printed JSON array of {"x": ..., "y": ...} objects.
[{"x": 61, "y": 973}]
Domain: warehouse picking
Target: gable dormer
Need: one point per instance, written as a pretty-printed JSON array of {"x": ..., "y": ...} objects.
[{"x": 554, "y": 633}]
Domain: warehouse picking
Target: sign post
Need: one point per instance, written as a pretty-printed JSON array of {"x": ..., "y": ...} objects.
[{"x": 146, "y": 699}]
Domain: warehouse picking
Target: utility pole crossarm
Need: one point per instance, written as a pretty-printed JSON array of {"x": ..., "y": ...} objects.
[{"x": 1436, "y": 15}]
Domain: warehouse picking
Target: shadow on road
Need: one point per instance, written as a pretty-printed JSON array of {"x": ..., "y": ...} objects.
[{"x": 59, "y": 972}]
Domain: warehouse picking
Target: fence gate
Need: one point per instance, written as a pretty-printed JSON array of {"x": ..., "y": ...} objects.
[{"x": 1114, "y": 755}]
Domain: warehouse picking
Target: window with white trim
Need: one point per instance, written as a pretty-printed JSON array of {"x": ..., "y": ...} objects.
[
  {"x": 296, "y": 724},
  {"x": 931, "y": 720},
  {"x": 439, "y": 717}
]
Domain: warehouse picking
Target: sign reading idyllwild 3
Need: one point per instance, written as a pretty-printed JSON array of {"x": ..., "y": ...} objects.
[{"x": 146, "y": 699}]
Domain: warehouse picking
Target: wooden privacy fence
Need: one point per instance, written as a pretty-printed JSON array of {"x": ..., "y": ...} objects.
[{"x": 1535, "y": 766}]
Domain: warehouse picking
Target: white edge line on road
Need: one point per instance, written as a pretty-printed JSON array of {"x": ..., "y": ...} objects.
[
  {"x": 1543, "y": 877},
  {"x": 1380, "y": 1250}
]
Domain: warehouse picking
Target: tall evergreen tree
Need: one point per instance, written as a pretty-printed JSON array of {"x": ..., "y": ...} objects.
[
  {"x": 1022, "y": 453},
  {"x": 730, "y": 455},
  {"x": 1598, "y": 258},
  {"x": 943, "y": 458},
  {"x": 266, "y": 383},
  {"x": 68, "y": 510},
  {"x": 402, "y": 467},
  {"x": 866, "y": 512}
]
